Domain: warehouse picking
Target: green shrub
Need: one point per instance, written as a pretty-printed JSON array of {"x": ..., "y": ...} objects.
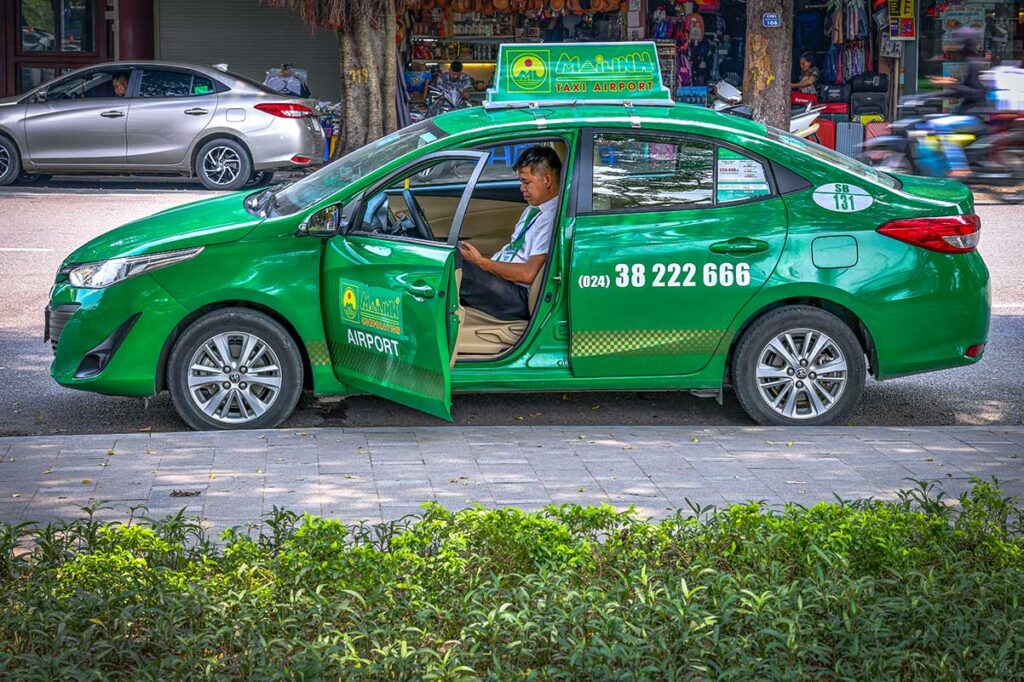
[{"x": 863, "y": 590}]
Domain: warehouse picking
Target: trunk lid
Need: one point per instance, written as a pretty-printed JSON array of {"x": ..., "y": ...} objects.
[{"x": 939, "y": 190}]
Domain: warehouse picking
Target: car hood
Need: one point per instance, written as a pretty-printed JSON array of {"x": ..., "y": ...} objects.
[{"x": 211, "y": 221}]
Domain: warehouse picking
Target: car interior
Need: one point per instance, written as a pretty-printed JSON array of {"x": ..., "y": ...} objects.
[{"x": 423, "y": 206}]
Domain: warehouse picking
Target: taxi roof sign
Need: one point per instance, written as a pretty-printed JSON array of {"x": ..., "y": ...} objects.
[{"x": 577, "y": 73}]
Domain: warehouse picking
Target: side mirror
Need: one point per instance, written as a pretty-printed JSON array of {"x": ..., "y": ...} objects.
[
  {"x": 39, "y": 97},
  {"x": 324, "y": 223}
]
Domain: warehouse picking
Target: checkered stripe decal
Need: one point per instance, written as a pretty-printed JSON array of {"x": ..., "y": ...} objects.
[
  {"x": 635, "y": 342},
  {"x": 388, "y": 370},
  {"x": 319, "y": 354}
]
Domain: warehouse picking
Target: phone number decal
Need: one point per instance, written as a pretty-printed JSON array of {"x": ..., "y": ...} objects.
[{"x": 670, "y": 275}]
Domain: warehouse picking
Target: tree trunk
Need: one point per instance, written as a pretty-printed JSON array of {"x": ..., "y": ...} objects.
[
  {"x": 389, "y": 95},
  {"x": 768, "y": 62},
  {"x": 354, "y": 96},
  {"x": 367, "y": 50}
]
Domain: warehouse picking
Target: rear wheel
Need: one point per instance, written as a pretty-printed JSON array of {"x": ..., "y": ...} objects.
[
  {"x": 10, "y": 161},
  {"x": 1011, "y": 162},
  {"x": 223, "y": 165},
  {"x": 235, "y": 369},
  {"x": 798, "y": 365}
]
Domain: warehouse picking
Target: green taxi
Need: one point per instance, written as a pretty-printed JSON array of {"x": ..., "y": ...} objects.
[{"x": 691, "y": 250}]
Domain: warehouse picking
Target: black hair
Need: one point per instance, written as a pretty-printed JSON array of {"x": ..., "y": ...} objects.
[
  {"x": 808, "y": 56},
  {"x": 539, "y": 156},
  {"x": 457, "y": 67}
]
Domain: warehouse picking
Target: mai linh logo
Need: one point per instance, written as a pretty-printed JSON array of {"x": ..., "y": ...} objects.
[
  {"x": 529, "y": 70},
  {"x": 350, "y": 302}
]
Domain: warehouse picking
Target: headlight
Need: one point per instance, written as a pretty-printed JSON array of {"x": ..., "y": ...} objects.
[{"x": 104, "y": 273}]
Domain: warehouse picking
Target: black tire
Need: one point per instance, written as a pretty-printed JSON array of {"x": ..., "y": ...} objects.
[
  {"x": 802, "y": 381},
  {"x": 259, "y": 179},
  {"x": 33, "y": 179},
  {"x": 10, "y": 161},
  {"x": 234, "y": 326},
  {"x": 223, "y": 164}
]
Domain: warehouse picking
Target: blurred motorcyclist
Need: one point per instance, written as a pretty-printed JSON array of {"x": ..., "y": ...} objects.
[{"x": 972, "y": 95}]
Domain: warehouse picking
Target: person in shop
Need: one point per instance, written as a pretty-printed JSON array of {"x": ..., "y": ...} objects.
[
  {"x": 500, "y": 285},
  {"x": 457, "y": 83},
  {"x": 810, "y": 75}
]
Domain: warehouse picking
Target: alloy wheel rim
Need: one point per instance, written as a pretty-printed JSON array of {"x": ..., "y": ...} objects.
[
  {"x": 234, "y": 377},
  {"x": 801, "y": 373},
  {"x": 5, "y": 161},
  {"x": 222, "y": 165}
]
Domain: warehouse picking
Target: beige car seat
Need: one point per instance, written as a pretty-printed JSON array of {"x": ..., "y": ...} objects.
[{"x": 481, "y": 334}]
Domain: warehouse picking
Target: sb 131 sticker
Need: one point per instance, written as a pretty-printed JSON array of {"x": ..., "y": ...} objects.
[{"x": 842, "y": 198}]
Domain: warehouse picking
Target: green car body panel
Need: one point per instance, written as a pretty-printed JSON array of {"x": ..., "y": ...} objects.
[{"x": 914, "y": 310}]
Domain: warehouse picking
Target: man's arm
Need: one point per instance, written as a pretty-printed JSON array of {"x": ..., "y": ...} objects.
[{"x": 523, "y": 273}]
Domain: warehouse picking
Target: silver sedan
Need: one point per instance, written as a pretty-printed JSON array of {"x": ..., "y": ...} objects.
[{"x": 161, "y": 118}]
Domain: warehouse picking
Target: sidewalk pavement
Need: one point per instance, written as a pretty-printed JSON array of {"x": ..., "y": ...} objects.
[{"x": 375, "y": 474}]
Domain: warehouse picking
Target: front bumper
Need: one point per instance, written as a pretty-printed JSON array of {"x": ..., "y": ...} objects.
[{"x": 111, "y": 340}]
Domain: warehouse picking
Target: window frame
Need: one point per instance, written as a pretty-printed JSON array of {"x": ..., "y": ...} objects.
[
  {"x": 585, "y": 194},
  {"x": 98, "y": 9},
  {"x": 85, "y": 73},
  {"x": 137, "y": 92}
]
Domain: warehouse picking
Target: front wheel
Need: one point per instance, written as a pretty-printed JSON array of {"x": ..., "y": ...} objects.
[
  {"x": 798, "y": 365},
  {"x": 10, "y": 161},
  {"x": 235, "y": 369},
  {"x": 223, "y": 165}
]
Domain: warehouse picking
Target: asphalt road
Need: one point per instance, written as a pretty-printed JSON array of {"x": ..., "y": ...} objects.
[{"x": 40, "y": 225}]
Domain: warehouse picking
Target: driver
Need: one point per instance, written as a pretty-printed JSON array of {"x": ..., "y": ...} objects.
[{"x": 500, "y": 286}]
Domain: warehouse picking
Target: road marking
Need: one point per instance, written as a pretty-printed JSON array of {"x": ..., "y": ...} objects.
[
  {"x": 1008, "y": 305},
  {"x": 20, "y": 250}
]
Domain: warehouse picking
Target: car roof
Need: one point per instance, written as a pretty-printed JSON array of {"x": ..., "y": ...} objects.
[
  {"x": 142, "y": 63},
  {"x": 482, "y": 119}
]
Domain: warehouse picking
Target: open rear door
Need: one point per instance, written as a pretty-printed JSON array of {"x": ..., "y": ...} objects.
[{"x": 390, "y": 301}]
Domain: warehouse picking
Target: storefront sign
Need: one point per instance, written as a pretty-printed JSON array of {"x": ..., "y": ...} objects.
[
  {"x": 957, "y": 17},
  {"x": 578, "y": 71},
  {"x": 902, "y": 24},
  {"x": 771, "y": 20}
]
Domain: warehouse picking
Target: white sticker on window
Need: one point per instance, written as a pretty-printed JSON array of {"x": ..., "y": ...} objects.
[{"x": 842, "y": 198}]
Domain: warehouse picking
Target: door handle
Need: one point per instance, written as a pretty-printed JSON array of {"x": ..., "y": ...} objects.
[
  {"x": 196, "y": 112},
  {"x": 420, "y": 289},
  {"x": 741, "y": 246},
  {"x": 112, "y": 114}
]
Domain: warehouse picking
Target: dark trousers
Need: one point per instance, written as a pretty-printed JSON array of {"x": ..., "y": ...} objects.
[{"x": 495, "y": 296}]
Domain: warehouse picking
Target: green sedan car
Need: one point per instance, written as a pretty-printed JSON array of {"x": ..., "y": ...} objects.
[{"x": 689, "y": 250}]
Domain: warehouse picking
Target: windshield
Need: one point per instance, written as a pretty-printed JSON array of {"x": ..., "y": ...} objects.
[
  {"x": 831, "y": 157},
  {"x": 354, "y": 165}
]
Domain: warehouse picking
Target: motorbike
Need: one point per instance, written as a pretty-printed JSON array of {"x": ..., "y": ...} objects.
[
  {"x": 802, "y": 118},
  {"x": 993, "y": 145},
  {"x": 441, "y": 102}
]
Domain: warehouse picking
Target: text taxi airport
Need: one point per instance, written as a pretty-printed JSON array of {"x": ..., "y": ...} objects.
[{"x": 580, "y": 231}]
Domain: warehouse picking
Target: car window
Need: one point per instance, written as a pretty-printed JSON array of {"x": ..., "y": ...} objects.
[
  {"x": 739, "y": 177},
  {"x": 91, "y": 85},
  {"x": 649, "y": 171},
  {"x": 832, "y": 157},
  {"x": 503, "y": 157},
  {"x": 354, "y": 165},
  {"x": 388, "y": 210},
  {"x": 173, "y": 84}
]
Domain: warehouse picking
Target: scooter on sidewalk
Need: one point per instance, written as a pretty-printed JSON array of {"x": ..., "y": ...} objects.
[{"x": 728, "y": 98}]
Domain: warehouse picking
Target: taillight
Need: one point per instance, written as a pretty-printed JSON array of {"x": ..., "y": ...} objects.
[
  {"x": 285, "y": 110},
  {"x": 946, "y": 234}
]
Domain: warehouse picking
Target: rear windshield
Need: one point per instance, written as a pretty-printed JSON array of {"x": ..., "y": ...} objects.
[
  {"x": 354, "y": 165},
  {"x": 832, "y": 157}
]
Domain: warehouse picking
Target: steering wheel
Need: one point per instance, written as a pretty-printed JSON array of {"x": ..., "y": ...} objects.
[{"x": 423, "y": 230}]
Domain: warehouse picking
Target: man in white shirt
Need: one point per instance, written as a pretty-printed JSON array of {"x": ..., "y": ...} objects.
[{"x": 500, "y": 286}]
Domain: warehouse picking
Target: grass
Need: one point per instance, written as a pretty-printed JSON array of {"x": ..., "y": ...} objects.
[{"x": 862, "y": 590}]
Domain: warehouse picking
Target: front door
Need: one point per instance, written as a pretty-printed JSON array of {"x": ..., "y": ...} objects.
[
  {"x": 673, "y": 236},
  {"x": 170, "y": 111},
  {"x": 81, "y": 121},
  {"x": 388, "y": 288}
]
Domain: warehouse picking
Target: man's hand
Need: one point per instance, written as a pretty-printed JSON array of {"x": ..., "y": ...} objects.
[{"x": 470, "y": 253}]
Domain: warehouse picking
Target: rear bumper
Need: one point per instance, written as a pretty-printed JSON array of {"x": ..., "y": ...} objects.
[{"x": 275, "y": 147}]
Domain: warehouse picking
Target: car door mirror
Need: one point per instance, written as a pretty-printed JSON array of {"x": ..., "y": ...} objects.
[
  {"x": 324, "y": 223},
  {"x": 39, "y": 97}
]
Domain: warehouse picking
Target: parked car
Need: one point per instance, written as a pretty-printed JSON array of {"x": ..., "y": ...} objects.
[
  {"x": 691, "y": 250},
  {"x": 158, "y": 118}
]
